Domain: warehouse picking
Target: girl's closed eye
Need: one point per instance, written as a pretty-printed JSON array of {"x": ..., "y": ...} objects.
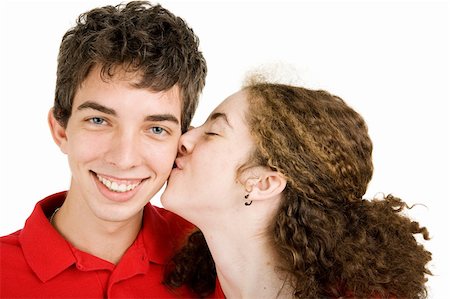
[
  {"x": 211, "y": 133},
  {"x": 213, "y": 129}
]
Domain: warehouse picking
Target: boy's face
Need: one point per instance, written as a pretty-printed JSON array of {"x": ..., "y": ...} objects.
[{"x": 121, "y": 142}]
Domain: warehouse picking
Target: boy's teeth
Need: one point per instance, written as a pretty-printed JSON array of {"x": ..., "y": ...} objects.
[{"x": 114, "y": 186}]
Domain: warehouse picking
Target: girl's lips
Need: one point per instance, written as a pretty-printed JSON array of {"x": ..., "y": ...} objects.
[{"x": 179, "y": 163}]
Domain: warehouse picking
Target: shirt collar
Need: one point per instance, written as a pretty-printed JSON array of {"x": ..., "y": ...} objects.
[
  {"x": 45, "y": 250},
  {"x": 48, "y": 253}
]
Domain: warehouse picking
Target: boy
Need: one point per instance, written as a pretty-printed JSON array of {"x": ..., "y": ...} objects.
[{"x": 128, "y": 82}]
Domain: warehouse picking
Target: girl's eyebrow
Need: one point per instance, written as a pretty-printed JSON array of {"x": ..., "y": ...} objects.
[{"x": 220, "y": 115}]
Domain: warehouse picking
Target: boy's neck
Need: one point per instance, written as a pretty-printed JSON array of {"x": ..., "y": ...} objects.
[{"x": 106, "y": 240}]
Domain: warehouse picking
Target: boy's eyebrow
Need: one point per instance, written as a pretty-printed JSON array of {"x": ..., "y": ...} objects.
[
  {"x": 162, "y": 117},
  {"x": 97, "y": 106},
  {"x": 221, "y": 115},
  {"x": 106, "y": 110}
]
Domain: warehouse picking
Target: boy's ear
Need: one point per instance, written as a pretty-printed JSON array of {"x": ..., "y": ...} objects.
[
  {"x": 58, "y": 132},
  {"x": 268, "y": 185}
]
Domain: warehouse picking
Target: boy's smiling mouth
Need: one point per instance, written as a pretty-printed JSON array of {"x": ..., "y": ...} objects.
[{"x": 117, "y": 185}]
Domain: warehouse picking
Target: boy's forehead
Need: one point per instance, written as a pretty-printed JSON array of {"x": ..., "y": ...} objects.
[
  {"x": 113, "y": 73},
  {"x": 120, "y": 74}
]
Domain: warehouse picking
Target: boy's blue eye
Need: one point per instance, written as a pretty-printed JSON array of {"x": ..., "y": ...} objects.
[
  {"x": 157, "y": 130},
  {"x": 97, "y": 120}
]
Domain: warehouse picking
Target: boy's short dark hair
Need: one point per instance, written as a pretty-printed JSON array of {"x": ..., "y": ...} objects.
[{"x": 140, "y": 37}]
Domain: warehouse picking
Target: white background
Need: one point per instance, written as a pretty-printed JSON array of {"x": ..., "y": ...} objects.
[{"x": 388, "y": 59}]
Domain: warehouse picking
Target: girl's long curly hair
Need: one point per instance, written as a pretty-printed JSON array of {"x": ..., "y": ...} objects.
[{"x": 330, "y": 241}]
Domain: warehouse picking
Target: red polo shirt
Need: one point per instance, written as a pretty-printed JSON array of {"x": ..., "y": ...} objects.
[{"x": 37, "y": 262}]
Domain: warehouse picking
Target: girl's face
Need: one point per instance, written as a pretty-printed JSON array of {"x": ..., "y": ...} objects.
[{"x": 204, "y": 182}]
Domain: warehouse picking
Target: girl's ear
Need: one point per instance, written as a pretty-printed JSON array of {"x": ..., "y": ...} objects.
[
  {"x": 58, "y": 132},
  {"x": 268, "y": 185}
]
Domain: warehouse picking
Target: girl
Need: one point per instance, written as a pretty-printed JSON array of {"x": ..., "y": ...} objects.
[{"x": 274, "y": 181}]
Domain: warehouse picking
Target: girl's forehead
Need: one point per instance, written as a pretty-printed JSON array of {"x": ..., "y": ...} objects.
[{"x": 235, "y": 102}]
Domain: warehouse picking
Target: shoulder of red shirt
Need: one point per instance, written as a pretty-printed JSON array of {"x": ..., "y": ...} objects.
[
  {"x": 160, "y": 228},
  {"x": 37, "y": 261}
]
